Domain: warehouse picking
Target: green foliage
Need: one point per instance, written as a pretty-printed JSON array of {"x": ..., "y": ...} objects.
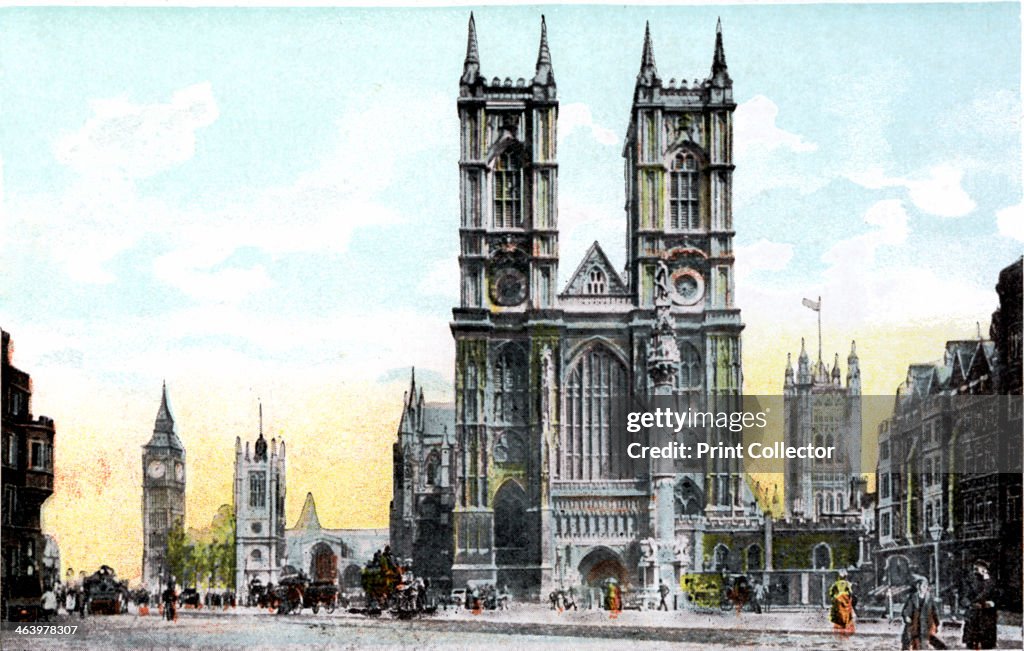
[{"x": 204, "y": 557}]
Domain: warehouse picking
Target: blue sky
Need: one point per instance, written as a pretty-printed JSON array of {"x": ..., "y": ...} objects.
[{"x": 180, "y": 182}]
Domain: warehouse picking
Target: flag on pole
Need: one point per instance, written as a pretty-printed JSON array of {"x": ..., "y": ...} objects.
[{"x": 814, "y": 305}]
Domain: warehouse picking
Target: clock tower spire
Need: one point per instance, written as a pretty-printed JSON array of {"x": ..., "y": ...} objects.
[{"x": 163, "y": 492}]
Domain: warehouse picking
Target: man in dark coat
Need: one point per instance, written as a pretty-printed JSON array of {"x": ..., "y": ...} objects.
[
  {"x": 921, "y": 619},
  {"x": 980, "y": 617}
]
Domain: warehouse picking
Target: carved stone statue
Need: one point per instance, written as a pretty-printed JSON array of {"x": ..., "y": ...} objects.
[
  {"x": 681, "y": 550},
  {"x": 661, "y": 288},
  {"x": 648, "y": 551}
]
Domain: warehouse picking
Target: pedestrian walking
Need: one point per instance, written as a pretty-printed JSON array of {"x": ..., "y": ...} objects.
[
  {"x": 841, "y": 614},
  {"x": 49, "y": 604},
  {"x": 921, "y": 619},
  {"x": 663, "y": 591},
  {"x": 980, "y": 616},
  {"x": 759, "y": 597}
]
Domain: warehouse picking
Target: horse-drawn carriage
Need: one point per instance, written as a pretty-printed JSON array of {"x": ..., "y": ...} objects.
[
  {"x": 389, "y": 586},
  {"x": 105, "y": 594}
]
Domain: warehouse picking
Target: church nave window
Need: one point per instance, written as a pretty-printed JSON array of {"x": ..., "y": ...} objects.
[
  {"x": 596, "y": 282},
  {"x": 508, "y": 191},
  {"x": 684, "y": 201}
]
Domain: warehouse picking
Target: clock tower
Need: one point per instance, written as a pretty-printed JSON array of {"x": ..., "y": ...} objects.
[{"x": 163, "y": 493}]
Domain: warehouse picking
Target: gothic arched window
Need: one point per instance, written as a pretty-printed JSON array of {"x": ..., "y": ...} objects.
[
  {"x": 721, "y": 557},
  {"x": 821, "y": 557},
  {"x": 593, "y": 422},
  {"x": 684, "y": 202},
  {"x": 509, "y": 382},
  {"x": 596, "y": 282},
  {"x": 508, "y": 190},
  {"x": 690, "y": 372}
]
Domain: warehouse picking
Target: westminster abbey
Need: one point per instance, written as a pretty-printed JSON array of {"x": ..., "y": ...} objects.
[{"x": 525, "y": 480}]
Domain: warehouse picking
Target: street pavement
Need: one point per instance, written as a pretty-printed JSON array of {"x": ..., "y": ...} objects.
[{"x": 523, "y": 627}]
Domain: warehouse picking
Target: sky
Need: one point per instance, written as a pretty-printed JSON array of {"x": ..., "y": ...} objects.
[{"x": 262, "y": 205}]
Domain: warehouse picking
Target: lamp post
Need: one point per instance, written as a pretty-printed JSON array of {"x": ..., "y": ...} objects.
[{"x": 936, "y": 534}]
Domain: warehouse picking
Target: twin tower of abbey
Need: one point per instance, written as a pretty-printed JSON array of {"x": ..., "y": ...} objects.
[{"x": 525, "y": 480}]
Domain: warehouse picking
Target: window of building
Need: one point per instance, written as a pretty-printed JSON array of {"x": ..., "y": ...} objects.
[
  {"x": 10, "y": 504},
  {"x": 256, "y": 555},
  {"x": 596, "y": 282},
  {"x": 886, "y": 525},
  {"x": 37, "y": 460},
  {"x": 721, "y": 557},
  {"x": 684, "y": 204},
  {"x": 754, "y": 560},
  {"x": 690, "y": 372},
  {"x": 821, "y": 558},
  {"x": 257, "y": 489},
  {"x": 508, "y": 191},
  {"x": 11, "y": 450},
  {"x": 884, "y": 486},
  {"x": 510, "y": 390},
  {"x": 592, "y": 431},
  {"x": 158, "y": 520}
]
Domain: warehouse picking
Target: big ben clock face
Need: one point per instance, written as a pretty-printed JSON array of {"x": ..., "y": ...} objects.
[
  {"x": 509, "y": 287},
  {"x": 179, "y": 471},
  {"x": 156, "y": 469}
]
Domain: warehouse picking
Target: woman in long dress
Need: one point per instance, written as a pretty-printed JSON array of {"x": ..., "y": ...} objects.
[{"x": 842, "y": 614}]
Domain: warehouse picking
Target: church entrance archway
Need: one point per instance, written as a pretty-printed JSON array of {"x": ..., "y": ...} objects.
[
  {"x": 323, "y": 565},
  {"x": 600, "y": 565}
]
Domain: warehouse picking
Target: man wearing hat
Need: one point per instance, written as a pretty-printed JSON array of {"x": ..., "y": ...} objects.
[
  {"x": 980, "y": 616},
  {"x": 921, "y": 618}
]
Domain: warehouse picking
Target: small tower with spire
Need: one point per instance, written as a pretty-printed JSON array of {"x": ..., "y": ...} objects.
[
  {"x": 259, "y": 494},
  {"x": 163, "y": 492}
]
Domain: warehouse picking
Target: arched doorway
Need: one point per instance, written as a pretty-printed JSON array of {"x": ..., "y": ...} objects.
[
  {"x": 510, "y": 524},
  {"x": 323, "y": 565},
  {"x": 602, "y": 564}
]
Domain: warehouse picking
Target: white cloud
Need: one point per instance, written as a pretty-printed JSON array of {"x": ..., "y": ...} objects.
[
  {"x": 577, "y": 116},
  {"x": 762, "y": 255},
  {"x": 1010, "y": 222},
  {"x": 938, "y": 192},
  {"x": 755, "y": 129},
  {"x": 191, "y": 270},
  {"x": 138, "y": 140}
]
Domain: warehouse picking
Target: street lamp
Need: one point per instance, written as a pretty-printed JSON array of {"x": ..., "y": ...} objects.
[{"x": 936, "y": 534}]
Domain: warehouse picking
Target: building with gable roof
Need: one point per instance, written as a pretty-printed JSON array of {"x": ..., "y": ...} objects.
[
  {"x": 330, "y": 555},
  {"x": 949, "y": 461}
]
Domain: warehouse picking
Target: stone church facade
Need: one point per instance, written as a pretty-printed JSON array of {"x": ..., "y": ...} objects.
[
  {"x": 259, "y": 493},
  {"x": 542, "y": 491}
]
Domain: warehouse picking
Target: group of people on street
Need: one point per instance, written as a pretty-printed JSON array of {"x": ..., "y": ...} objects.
[
  {"x": 921, "y": 614},
  {"x": 921, "y": 620}
]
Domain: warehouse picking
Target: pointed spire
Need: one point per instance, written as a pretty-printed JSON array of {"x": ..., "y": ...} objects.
[
  {"x": 471, "y": 67},
  {"x": 472, "y": 52},
  {"x": 544, "y": 75},
  {"x": 648, "y": 69},
  {"x": 803, "y": 349},
  {"x": 835, "y": 370},
  {"x": 719, "y": 64},
  {"x": 719, "y": 69},
  {"x": 261, "y": 419},
  {"x": 853, "y": 350},
  {"x": 164, "y": 419}
]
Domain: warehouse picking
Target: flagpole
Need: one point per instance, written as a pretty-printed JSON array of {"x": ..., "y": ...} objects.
[{"x": 819, "y": 329}]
